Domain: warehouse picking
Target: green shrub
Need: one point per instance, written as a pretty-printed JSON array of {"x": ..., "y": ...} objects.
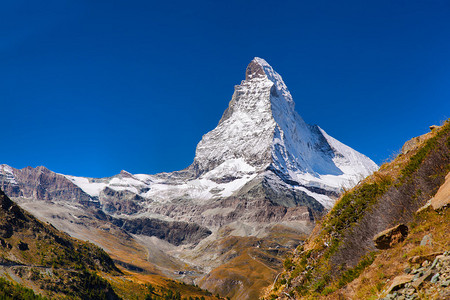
[
  {"x": 13, "y": 291},
  {"x": 288, "y": 264},
  {"x": 349, "y": 275}
]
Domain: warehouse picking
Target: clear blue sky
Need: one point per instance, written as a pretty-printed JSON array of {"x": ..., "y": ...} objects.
[{"x": 93, "y": 87}]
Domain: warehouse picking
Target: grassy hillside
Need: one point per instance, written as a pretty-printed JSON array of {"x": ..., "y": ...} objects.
[
  {"x": 39, "y": 256},
  {"x": 341, "y": 247},
  {"x": 373, "y": 281},
  {"x": 12, "y": 291},
  {"x": 248, "y": 264}
]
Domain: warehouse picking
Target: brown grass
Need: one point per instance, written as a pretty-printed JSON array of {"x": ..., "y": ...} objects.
[{"x": 392, "y": 262}]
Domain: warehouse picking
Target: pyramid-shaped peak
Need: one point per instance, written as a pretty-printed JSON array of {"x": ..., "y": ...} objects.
[
  {"x": 260, "y": 68},
  {"x": 261, "y": 62},
  {"x": 260, "y": 130}
]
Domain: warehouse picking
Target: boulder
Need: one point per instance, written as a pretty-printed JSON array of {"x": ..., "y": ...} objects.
[
  {"x": 23, "y": 246},
  {"x": 427, "y": 240},
  {"x": 426, "y": 276},
  {"x": 434, "y": 127},
  {"x": 6, "y": 230},
  {"x": 421, "y": 258},
  {"x": 425, "y": 207},
  {"x": 442, "y": 197},
  {"x": 389, "y": 237},
  {"x": 398, "y": 282},
  {"x": 413, "y": 143}
]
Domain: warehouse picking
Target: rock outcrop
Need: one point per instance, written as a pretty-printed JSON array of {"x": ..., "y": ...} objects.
[
  {"x": 41, "y": 184},
  {"x": 390, "y": 237},
  {"x": 442, "y": 197}
]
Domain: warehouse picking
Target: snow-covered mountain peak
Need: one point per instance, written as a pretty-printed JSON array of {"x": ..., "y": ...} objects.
[
  {"x": 125, "y": 173},
  {"x": 262, "y": 129},
  {"x": 246, "y": 128},
  {"x": 258, "y": 68}
]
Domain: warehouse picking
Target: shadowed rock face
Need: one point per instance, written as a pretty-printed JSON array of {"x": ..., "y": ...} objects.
[
  {"x": 390, "y": 237},
  {"x": 177, "y": 233},
  {"x": 174, "y": 232},
  {"x": 120, "y": 201},
  {"x": 11, "y": 216},
  {"x": 254, "y": 69}
]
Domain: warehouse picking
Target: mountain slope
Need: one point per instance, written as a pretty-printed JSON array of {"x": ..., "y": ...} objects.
[
  {"x": 37, "y": 255},
  {"x": 342, "y": 245}
]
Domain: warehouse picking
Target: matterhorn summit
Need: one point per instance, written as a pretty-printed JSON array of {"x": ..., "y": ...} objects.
[{"x": 260, "y": 132}]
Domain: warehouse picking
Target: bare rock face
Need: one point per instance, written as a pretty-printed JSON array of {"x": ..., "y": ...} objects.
[
  {"x": 41, "y": 184},
  {"x": 254, "y": 69},
  {"x": 413, "y": 143},
  {"x": 257, "y": 203},
  {"x": 399, "y": 282},
  {"x": 176, "y": 233},
  {"x": 124, "y": 202},
  {"x": 434, "y": 127},
  {"x": 388, "y": 238}
]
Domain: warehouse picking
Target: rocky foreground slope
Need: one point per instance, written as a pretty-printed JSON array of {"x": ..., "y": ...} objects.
[
  {"x": 37, "y": 255},
  {"x": 387, "y": 237},
  {"x": 262, "y": 173}
]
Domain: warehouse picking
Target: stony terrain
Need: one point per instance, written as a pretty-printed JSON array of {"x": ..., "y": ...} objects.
[{"x": 430, "y": 279}]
